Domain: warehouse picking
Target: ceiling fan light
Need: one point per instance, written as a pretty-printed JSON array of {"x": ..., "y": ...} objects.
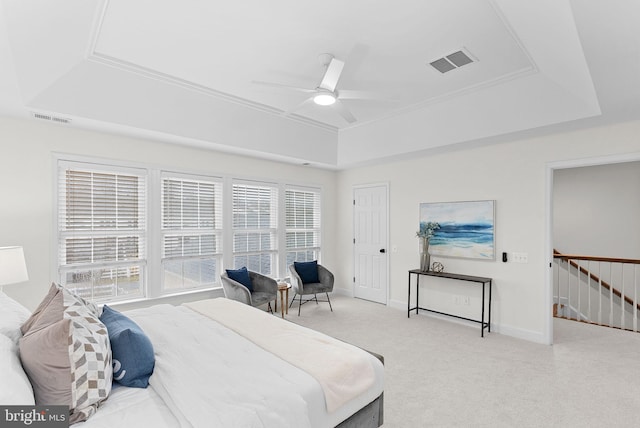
[{"x": 324, "y": 99}]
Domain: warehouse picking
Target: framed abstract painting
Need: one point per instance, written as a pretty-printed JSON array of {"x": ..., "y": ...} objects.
[{"x": 467, "y": 229}]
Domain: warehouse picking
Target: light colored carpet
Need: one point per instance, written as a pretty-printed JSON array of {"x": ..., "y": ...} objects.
[{"x": 443, "y": 374}]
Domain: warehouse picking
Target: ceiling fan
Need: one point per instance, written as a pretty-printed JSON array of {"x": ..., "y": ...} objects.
[{"x": 326, "y": 94}]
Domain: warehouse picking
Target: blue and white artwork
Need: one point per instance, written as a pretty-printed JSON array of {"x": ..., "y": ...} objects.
[{"x": 467, "y": 229}]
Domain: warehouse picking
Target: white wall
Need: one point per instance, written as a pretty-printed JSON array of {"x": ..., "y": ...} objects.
[
  {"x": 26, "y": 185},
  {"x": 515, "y": 175},
  {"x": 597, "y": 210}
]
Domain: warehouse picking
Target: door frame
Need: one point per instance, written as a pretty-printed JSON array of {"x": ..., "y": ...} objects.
[
  {"x": 551, "y": 167},
  {"x": 355, "y": 187}
]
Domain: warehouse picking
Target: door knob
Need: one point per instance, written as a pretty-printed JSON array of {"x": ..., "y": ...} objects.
[{"x": 382, "y": 250}]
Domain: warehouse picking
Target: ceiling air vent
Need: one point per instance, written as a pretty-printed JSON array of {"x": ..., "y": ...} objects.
[
  {"x": 50, "y": 118},
  {"x": 452, "y": 61}
]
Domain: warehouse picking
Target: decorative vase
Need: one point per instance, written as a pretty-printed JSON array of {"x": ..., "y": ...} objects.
[{"x": 425, "y": 258}]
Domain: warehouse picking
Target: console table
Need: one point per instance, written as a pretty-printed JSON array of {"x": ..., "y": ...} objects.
[{"x": 455, "y": 276}]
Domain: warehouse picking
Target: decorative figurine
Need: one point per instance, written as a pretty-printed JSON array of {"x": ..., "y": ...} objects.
[{"x": 437, "y": 267}]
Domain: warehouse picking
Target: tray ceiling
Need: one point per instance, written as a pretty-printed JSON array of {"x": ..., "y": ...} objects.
[{"x": 185, "y": 72}]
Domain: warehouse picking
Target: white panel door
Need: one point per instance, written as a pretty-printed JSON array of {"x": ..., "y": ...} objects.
[{"x": 370, "y": 243}]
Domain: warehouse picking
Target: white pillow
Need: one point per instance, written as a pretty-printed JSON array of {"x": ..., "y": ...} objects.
[
  {"x": 12, "y": 316},
  {"x": 15, "y": 388}
]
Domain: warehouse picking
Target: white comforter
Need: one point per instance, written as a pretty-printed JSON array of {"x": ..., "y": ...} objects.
[
  {"x": 343, "y": 371},
  {"x": 210, "y": 376}
]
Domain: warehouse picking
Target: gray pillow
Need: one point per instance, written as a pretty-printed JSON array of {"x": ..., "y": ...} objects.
[{"x": 65, "y": 351}]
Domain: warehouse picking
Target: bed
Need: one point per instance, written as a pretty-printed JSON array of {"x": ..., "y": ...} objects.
[{"x": 218, "y": 363}]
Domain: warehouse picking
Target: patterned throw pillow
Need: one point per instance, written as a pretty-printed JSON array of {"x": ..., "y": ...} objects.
[{"x": 65, "y": 351}]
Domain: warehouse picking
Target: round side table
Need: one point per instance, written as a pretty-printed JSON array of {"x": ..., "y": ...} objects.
[{"x": 283, "y": 288}]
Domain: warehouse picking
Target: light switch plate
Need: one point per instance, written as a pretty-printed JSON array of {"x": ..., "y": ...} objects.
[{"x": 520, "y": 258}]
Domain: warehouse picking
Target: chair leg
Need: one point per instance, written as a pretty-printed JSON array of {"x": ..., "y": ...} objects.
[
  {"x": 315, "y": 297},
  {"x": 293, "y": 300},
  {"x": 269, "y": 307},
  {"x": 299, "y": 302}
]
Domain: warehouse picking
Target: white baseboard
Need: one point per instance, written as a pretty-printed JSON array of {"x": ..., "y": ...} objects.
[
  {"x": 398, "y": 304},
  {"x": 342, "y": 292},
  {"x": 519, "y": 333}
]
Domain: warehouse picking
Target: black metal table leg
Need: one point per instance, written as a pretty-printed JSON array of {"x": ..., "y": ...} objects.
[
  {"x": 409, "y": 297},
  {"x": 490, "y": 286},
  {"x": 482, "y": 323},
  {"x": 417, "y": 292}
]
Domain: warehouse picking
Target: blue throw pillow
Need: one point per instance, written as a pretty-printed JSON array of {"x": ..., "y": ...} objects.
[
  {"x": 242, "y": 276},
  {"x": 308, "y": 271},
  {"x": 133, "y": 357}
]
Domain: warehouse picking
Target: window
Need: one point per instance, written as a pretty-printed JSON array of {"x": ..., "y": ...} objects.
[
  {"x": 302, "y": 224},
  {"x": 102, "y": 231},
  {"x": 191, "y": 232},
  {"x": 255, "y": 222},
  {"x": 127, "y": 231}
]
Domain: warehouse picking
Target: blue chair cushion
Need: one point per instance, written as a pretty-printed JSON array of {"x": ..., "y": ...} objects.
[
  {"x": 242, "y": 276},
  {"x": 133, "y": 357},
  {"x": 308, "y": 271}
]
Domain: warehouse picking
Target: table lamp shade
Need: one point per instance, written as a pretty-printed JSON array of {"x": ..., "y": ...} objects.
[{"x": 13, "y": 268}]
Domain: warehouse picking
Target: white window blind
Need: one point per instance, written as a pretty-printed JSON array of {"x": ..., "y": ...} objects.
[
  {"x": 102, "y": 230},
  {"x": 191, "y": 232},
  {"x": 255, "y": 219},
  {"x": 302, "y": 215}
]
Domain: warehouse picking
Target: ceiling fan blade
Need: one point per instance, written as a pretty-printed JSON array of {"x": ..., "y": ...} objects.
[
  {"x": 332, "y": 75},
  {"x": 280, "y": 85},
  {"x": 344, "y": 112},
  {"x": 347, "y": 94},
  {"x": 297, "y": 107}
]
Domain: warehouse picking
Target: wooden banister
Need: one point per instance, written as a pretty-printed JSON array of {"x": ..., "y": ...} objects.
[
  {"x": 606, "y": 285},
  {"x": 558, "y": 255}
]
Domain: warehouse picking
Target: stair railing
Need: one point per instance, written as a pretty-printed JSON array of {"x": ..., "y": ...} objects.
[{"x": 597, "y": 290}]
